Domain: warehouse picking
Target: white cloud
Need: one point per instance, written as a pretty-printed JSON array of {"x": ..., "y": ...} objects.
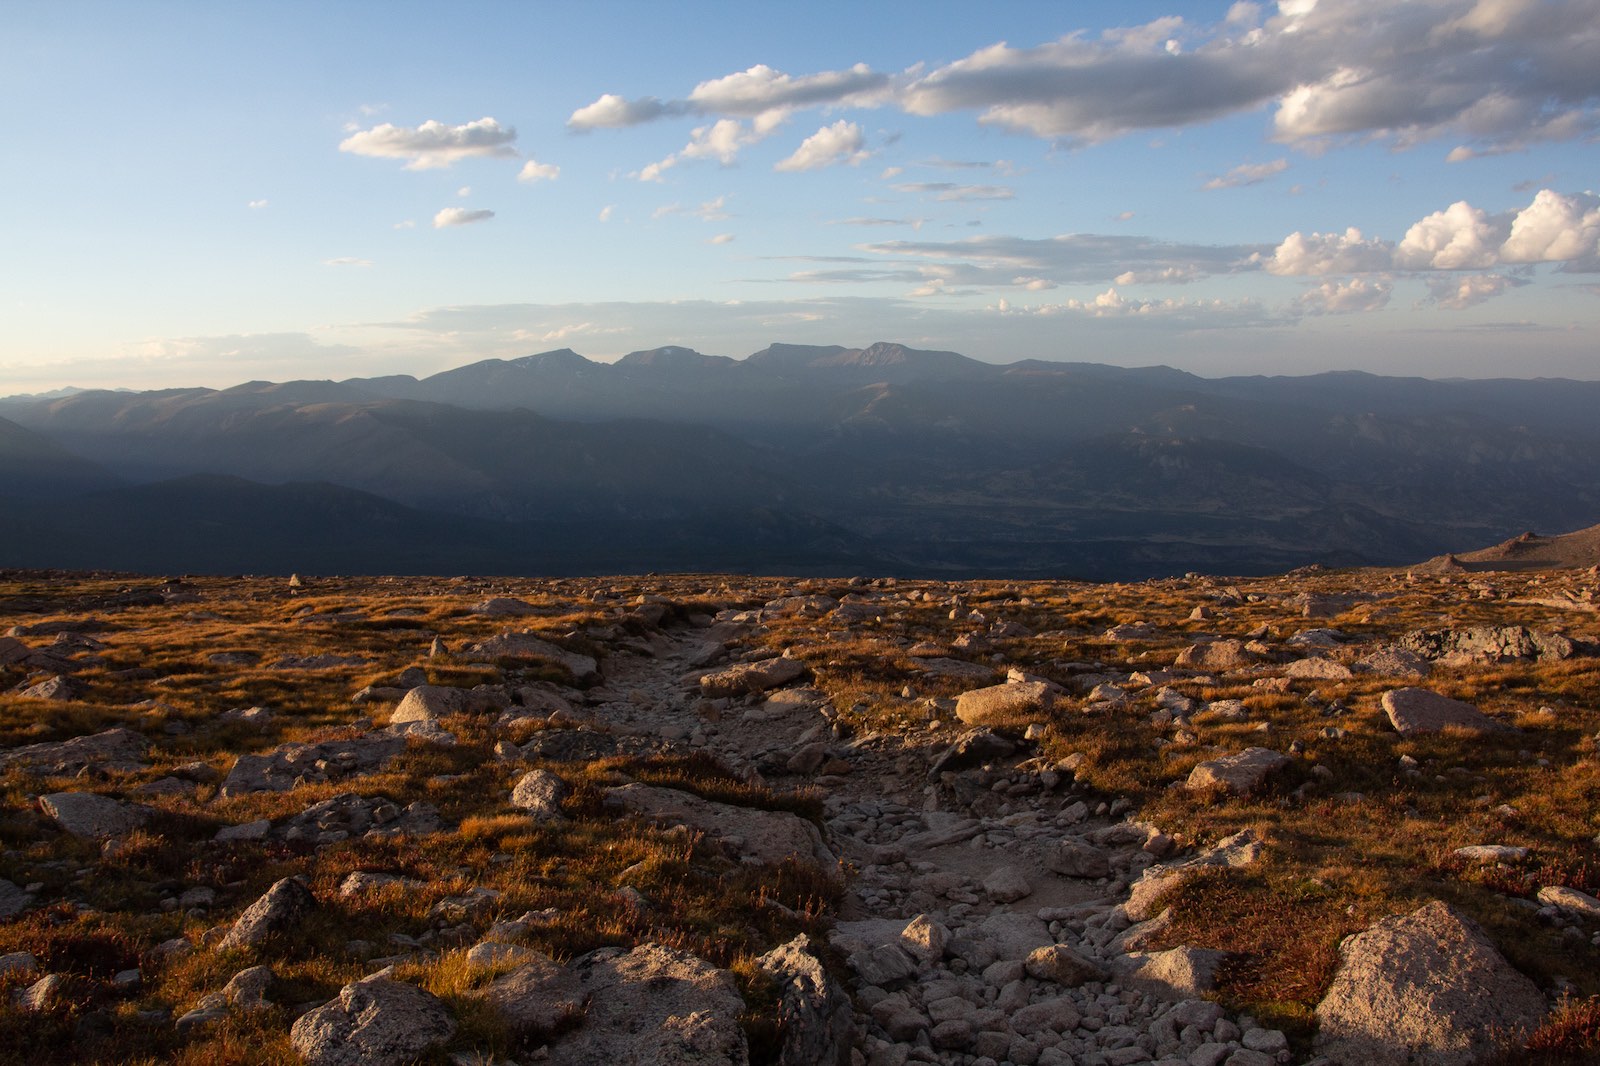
[
  {"x": 949, "y": 191},
  {"x": 762, "y": 89},
  {"x": 459, "y": 216},
  {"x": 533, "y": 170},
  {"x": 1164, "y": 276},
  {"x": 1247, "y": 174},
  {"x": 1111, "y": 304},
  {"x": 405, "y": 224},
  {"x": 464, "y": 191},
  {"x": 1345, "y": 297},
  {"x": 612, "y": 112},
  {"x": 842, "y": 142},
  {"x": 1461, "y": 237},
  {"x": 721, "y": 238},
  {"x": 1456, "y": 292},
  {"x": 1033, "y": 284},
  {"x": 1329, "y": 253},
  {"x": 433, "y": 144},
  {"x": 710, "y": 211},
  {"x": 1554, "y": 228},
  {"x": 890, "y": 173},
  {"x": 257, "y": 205},
  {"x": 720, "y": 141},
  {"x": 607, "y": 211},
  {"x": 1496, "y": 74},
  {"x": 347, "y": 261}
]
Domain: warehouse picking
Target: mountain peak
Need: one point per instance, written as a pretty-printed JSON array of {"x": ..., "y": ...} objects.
[{"x": 671, "y": 357}]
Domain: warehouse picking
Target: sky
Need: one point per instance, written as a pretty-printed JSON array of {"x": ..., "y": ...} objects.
[{"x": 207, "y": 193}]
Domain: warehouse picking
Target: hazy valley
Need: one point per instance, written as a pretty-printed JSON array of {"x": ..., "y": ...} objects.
[{"x": 795, "y": 460}]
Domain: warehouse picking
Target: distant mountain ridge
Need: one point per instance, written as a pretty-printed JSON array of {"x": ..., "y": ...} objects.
[{"x": 918, "y": 460}]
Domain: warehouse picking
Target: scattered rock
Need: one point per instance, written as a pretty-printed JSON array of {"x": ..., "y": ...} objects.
[
  {"x": 1061, "y": 964},
  {"x": 1240, "y": 773},
  {"x": 540, "y": 792},
  {"x": 1008, "y": 704},
  {"x": 91, "y": 816},
  {"x": 1570, "y": 900},
  {"x": 1489, "y": 644},
  {"x": 1217, "y": 655}
]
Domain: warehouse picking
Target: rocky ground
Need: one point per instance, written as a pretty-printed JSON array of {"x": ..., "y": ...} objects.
[{"x": 1333, "y": 817}]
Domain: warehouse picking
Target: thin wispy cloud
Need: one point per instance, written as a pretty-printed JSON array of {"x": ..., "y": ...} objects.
[{"x": 460, "y": 216}]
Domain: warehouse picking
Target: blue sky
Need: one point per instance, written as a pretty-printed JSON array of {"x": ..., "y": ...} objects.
[{"x": 199, "y": 193}]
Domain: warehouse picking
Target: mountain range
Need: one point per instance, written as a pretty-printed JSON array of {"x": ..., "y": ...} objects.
[{"x": 799, "y": 459}]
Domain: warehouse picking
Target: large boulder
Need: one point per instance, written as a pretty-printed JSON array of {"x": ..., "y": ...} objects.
[
  {"x": 430, "y": 703},
  {"x": 376, "y": 1022},
  {"x": 1007, "y": 704},
  {"x": 1418, "y": 710},
  {"x": 1240, "y": 773},
  {"x": 652, "y": 1005},
  {"x": 1216, "y": 655},
  {"x": 538, "y": 998},
  {"x": 1489, "y": 644},
  {"x": 540, "y": 792},
  {"x": 279, "y": 910},
  {"x": 1423, "y": 989},
  {"x": 751, "y": 834},
  {"x": 814, "y": 1014}
]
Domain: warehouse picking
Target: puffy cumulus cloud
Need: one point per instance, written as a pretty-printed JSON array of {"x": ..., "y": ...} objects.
[
  {"x": 1461, "y": 237},
  {"x": 1247, "y": 174},
  {"x": 1496, "y": 74},
  {"x": 1554, "y": 228},
  {"x": 721, "y": 141},
  {"x": 433, "y": 144},
  {"x": 533, "y": 170},
  {"x": 460, "y": 216},
  {"x": 1345, "y": 297},
  {"x": 721, "y": 238},
  {"x": 1457, "y": 293},
  {"x": 951, "y": 192},
  {"x": 1328, "y": 253},
  {"x": 1033, "y": 284},
  {"x": 842, "y": 142}
]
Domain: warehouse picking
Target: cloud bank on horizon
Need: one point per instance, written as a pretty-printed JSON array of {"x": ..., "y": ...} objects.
[{"x": 1284, "y": 187}]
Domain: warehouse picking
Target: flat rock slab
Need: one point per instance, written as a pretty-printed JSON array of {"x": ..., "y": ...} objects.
[
  {"x": 115, "y": 751},
  {"x": 1423, "y": 989},
  {"x": 1418, "y": 710},
  {"x": 87, "y": 815},
  {"x": 751, "y": 677},
  {"x": 1006, "y": 704},
  {"x": 653, "y": 1004},
  {"x": 1216, "y": 655},
  {"x": 527, "y": 646},
  {"x": 377, "y": 1022},
  {"x": 1571, "y": 900},
  {"x": 1240, "y": 773},
  {"x": 12, "y": 899},
  {"x": 754, "y": 835},
  {"x": 281, "y": 769}
]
